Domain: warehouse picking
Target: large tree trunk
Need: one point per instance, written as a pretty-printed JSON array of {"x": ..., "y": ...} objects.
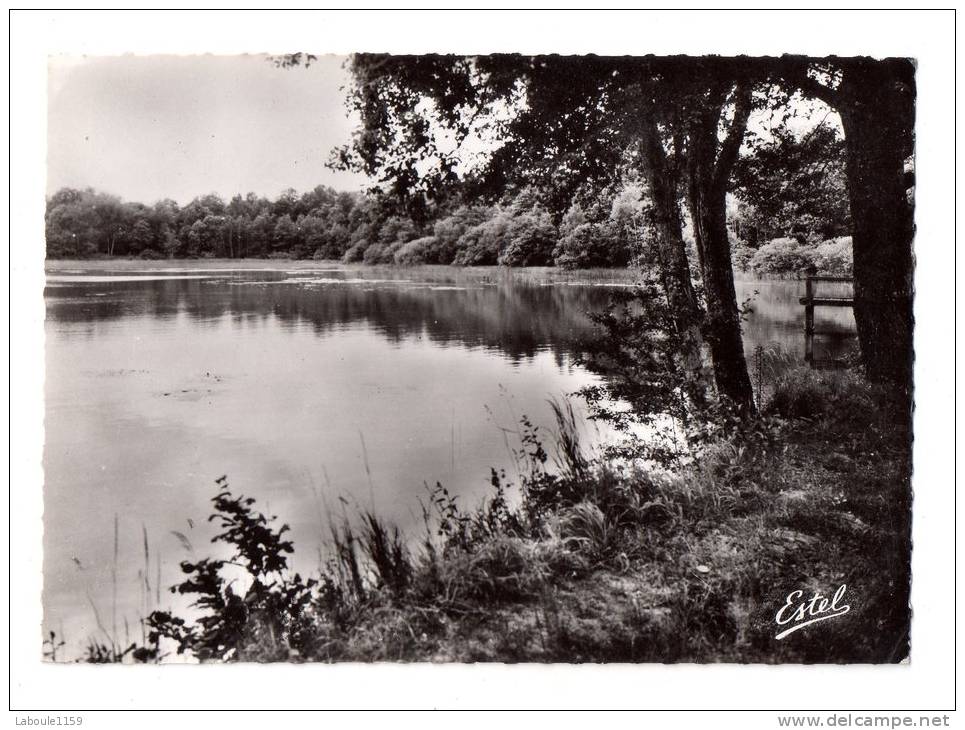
[
  {"x": 674, "y": 265},
  {"x": 722, "y": 322},
  {"x": 876, "y": 104},
  {"x": 708, "y": 172}
]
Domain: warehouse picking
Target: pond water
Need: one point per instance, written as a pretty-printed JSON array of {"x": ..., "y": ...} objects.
[{"x": 315, "y": 388}]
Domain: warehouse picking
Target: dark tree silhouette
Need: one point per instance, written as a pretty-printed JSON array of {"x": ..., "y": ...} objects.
[{"x": 876, "y": 102}]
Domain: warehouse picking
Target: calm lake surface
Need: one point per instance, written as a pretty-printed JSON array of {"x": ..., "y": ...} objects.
[{"x": 316, "y": 388}]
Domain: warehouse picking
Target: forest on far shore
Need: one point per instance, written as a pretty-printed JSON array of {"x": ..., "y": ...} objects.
[{"x": 787, "y": 210}]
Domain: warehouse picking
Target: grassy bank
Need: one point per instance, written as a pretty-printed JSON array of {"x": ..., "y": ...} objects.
[{"x": 599, "y": 561}]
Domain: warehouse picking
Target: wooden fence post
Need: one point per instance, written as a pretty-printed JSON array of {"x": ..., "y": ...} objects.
[{"x": 809, "y": 321}]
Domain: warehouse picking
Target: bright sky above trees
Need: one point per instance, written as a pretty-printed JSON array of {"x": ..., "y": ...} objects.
[{"x": 152, "y": 127}]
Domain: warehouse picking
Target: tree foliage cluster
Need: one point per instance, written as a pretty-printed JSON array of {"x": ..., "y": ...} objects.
[
  {"x": 87, "y": 223},
  {"x": 781, "y": 256},
  {"x": 517, "y": 230},
  {"x": 792, "y": 185}
]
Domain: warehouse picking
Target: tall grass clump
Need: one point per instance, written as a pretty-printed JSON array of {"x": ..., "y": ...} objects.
[{"x": 802, "y": 392}]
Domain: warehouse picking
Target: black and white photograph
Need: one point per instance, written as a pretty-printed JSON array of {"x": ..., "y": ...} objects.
[{"x": 353, "y": 356}]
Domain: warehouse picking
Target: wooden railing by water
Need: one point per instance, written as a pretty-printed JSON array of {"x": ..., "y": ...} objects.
[{"x": 810, "y": 301}]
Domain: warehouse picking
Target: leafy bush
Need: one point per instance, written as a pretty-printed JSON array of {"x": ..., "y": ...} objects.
[
  {"x": 479, "y": 246},
  {"x": 591, "y": 245},
  {"x": 377, "y": 253},
  {"x": 603, "y": 235},
  {"x": 741, "y": 253},
  {"x": 780, "y": 256},
  {"x": 354, "y": 253},
  {"x": 448, "y": 230},
  {"x": 425, "y": 250},
  {"x": 787, "y": 256},
  {"x": 835, "y": 257},
  {"x": 329, "y": 243},
  {"x": 531, "y": 237},
  {"x": 270, "y": 621},
  {"x": 396, "y": 229},
  {"x": 383, "y": 253}
]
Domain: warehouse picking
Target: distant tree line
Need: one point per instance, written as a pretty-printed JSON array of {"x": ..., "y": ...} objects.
[
  {"x": 788, "y": 200},
  {"x": 517, "y": 230}
]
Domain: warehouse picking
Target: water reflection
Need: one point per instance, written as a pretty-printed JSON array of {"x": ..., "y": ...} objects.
[
  {"x": 517, "y": 318},
  {"x": 777, "y": 318},
  {"x": 516, "y": 314}
]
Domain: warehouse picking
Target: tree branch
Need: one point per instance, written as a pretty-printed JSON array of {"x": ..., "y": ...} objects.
[
  {"x": 735, "y": 135},
  {"x": 653, "y": 151},
  {"x": 798, "y": 76}
]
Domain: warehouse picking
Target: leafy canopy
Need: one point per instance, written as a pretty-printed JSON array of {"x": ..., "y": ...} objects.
[{"x": 484, "y": 124}]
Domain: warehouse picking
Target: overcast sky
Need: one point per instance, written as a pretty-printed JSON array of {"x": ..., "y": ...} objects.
[{"x": 152, "y": 127}]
